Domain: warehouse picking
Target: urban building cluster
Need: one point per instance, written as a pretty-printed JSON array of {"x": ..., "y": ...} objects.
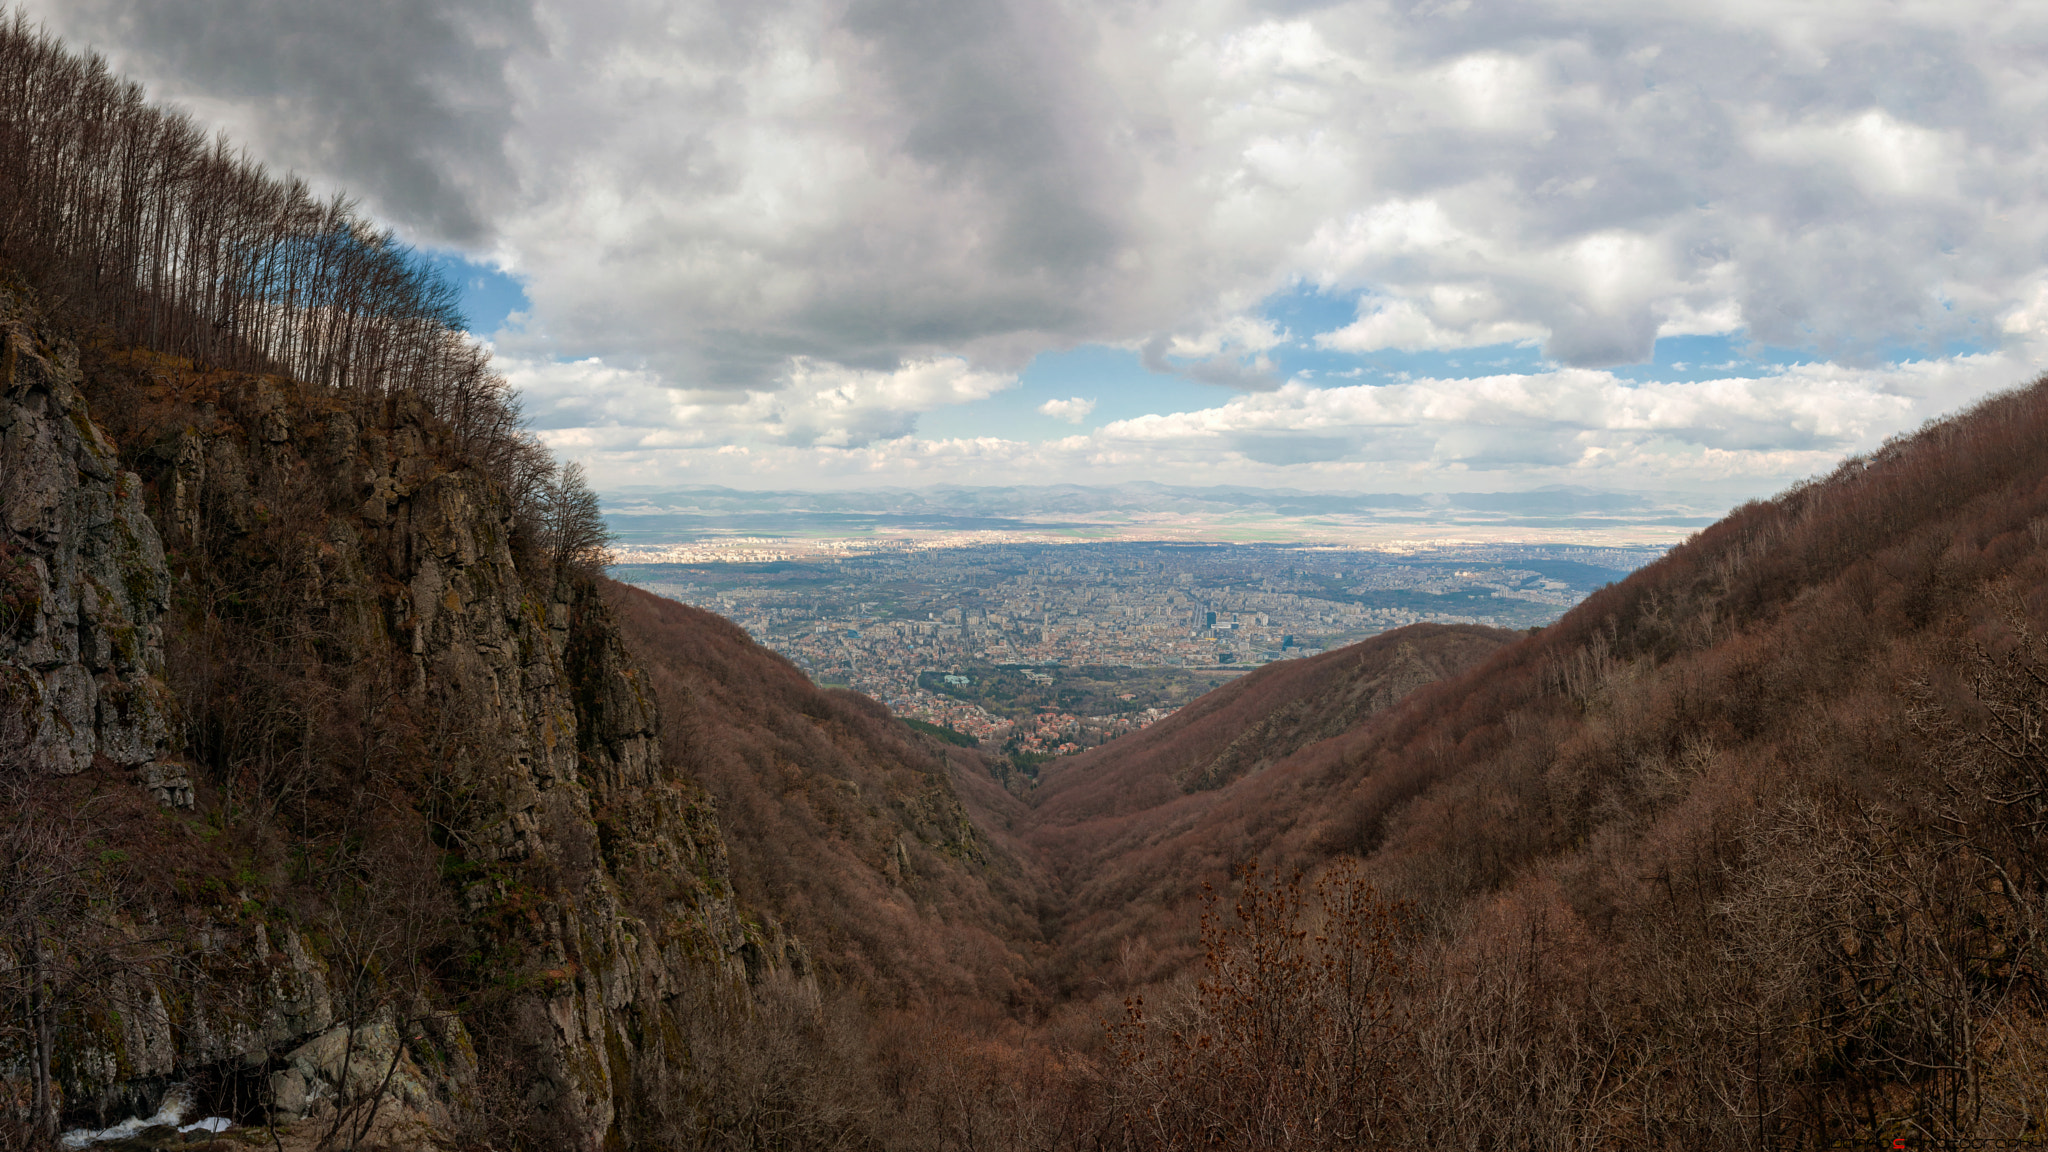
[{"x": 919, "y": 629}]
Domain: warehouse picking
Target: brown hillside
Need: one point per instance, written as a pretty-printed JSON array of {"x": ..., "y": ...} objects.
[
  {"x": 1749, "y": 850},
  {"x": 1112, "y": 822},
  {"x": 840, "y": 819},
  {"x": 1253, "y": 722},
  {"x": 322, "y": 752}
]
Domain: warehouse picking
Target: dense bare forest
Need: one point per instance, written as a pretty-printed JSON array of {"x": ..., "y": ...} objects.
[
  {"x": 345, "y": 800},
  {"x": 131, "y": 222},
  {"x": 1741, "y": 853}
]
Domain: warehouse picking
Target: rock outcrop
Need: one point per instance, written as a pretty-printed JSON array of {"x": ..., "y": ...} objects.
[
  {"x": 83, "y": 587},
  {"x": 353, "y": 543}
]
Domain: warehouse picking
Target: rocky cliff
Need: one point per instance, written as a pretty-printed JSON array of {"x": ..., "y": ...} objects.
[
  {"x": 83, "y": 587},
  {"x": 413, "y": 798}
]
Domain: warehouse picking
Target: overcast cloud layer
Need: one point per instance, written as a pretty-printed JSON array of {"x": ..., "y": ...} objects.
[{"x": 761, "y": 238}]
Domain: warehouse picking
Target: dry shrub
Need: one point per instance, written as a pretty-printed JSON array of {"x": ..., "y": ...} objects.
[{"x": 1293, "y": 1037}]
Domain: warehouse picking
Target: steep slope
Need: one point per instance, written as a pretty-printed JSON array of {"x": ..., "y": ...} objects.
[
  {"x": 839, "y": 818},
  {"x": 330, "y": 795},
  {"x": 1252, "y": 722},
  {"x": 428, "y": 794},
  {"x": 1746, "y": 851},
  {"x": 1787, "y": 604},
  {"x": 82, "y": 584},
  {"x": 1134, "y": 828},
  {"x": 430, "y": 809}
]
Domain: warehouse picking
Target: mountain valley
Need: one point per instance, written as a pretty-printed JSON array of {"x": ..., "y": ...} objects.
[{"x": 350, "y": 804}]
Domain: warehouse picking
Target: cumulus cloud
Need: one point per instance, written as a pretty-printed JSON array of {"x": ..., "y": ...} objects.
[
  {"x": 1568, "y": 426},
  {"x": 1073, "y": 411},
  {"x": 824, "y": 403},
  {"x": 1232, "y": 354},
  {"x": 715, "y": 187},
  {"x": 591, "y": 404},
  {"x": 1460, "y": 316},
  {"x": 1556, "y": 417},
  {"x": 801, "y": 223},
  {"x": 405, "y": 103}
]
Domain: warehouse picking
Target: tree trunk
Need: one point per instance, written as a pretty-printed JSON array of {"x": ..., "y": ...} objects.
[{"x": 45, "y": 1105}]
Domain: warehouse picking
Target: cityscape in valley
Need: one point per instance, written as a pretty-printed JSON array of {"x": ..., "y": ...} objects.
[
  {"x": 907, "y": 577},
  {"x": 1046, "y": 649}
]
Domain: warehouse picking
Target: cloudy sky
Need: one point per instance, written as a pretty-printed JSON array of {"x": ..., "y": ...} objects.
[{"x": 1438, "y": 246}]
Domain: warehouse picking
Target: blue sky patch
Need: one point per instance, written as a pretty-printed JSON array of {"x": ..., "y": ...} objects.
[
  {"x": 1115, "y": 378},
  {"x": 488, "y": 295}
]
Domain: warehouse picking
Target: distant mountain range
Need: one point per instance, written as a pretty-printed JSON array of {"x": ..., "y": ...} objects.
[{"x": 648, "y": 515}]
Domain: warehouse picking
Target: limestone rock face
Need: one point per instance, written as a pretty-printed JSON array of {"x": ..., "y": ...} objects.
[
  {"x": 83, "y": 586},
  {"x": 249, "y": 990},
  {"x": 362, "y": 529},
  {"x": 414, "y": 562}
]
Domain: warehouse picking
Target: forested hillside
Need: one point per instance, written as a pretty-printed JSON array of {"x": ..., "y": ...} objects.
[
  {"x": 343, "y": 795},
  {"x": 841, "y": 818},
  {"x": 1133, "y": 829},
  {"x": 347, "y": 801},
  {"x": 1744, "y": 852}
]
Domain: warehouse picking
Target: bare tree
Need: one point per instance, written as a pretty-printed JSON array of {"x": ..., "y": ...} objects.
[
  {"x": 63, "y": 940},
  {"x": 572, "y": 528},
  {"x": 1294, "y": 1035},
  {"x": 129, "y": 221}
]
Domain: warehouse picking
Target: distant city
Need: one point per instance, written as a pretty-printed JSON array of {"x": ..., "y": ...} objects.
[{"x": 1043, "y": 649}]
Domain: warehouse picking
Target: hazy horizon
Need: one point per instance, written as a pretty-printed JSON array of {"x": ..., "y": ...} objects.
[{"x": 648, "y": 519}]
